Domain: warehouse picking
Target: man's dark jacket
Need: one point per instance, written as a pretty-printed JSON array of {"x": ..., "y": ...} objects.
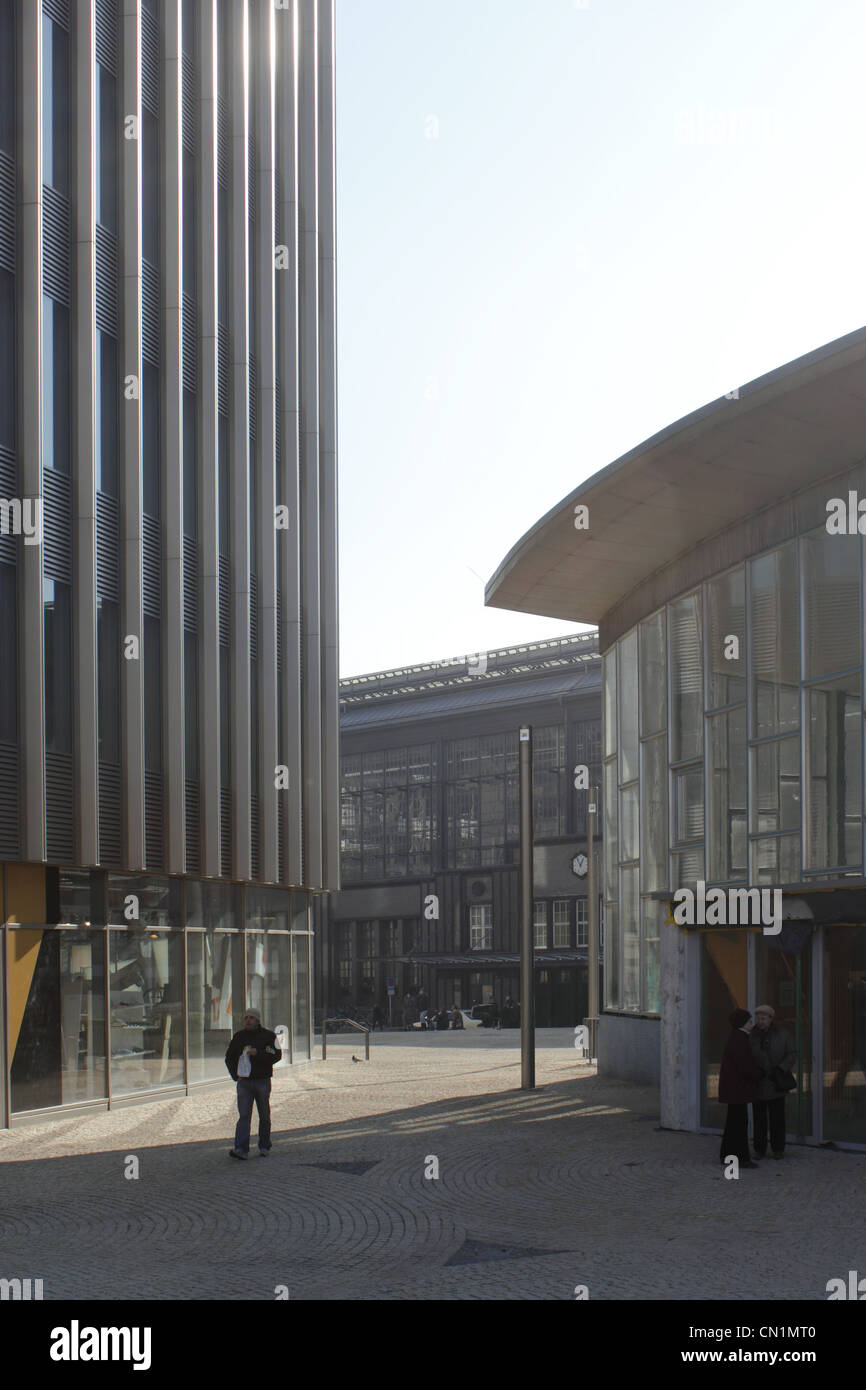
[
  {"x": 262, "y": 1064},
  {"x": 740, "y": 1073}
]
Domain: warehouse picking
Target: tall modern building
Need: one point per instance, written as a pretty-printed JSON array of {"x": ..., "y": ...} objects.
[
  {"x": 725, "y": 562},
  {"x": 168, "y": 575}
]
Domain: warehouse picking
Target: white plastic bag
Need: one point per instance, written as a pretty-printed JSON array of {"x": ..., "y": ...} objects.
[{"x": 245, "y": 1065}]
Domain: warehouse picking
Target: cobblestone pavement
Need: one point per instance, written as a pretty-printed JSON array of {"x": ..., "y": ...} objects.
[{"x": 537, "y": 1192}]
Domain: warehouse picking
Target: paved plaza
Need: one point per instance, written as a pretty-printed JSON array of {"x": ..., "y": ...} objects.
[{"x": 537, "y": 1193}]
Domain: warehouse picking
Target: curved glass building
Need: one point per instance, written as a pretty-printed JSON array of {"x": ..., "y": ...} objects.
[{"x": 723, "y": 561}]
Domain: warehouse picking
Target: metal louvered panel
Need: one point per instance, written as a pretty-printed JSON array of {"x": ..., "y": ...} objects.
[
  {"x": 223, "y": 370},
  {"x": 193, "y": 835},
  {"x": 190, "y": 584},
  {"x": 225, "y": 602},
  {"x": 150, "y": 62},
  {"x": 190, "y": 344},
  {"x": 10, "y": 815},
  {"x": 59, "y": 818},
  {"x": 190, "y": 104},
  {"x": 254, "y": 398},
  {"x": 278, "y": 428},
  {"x": 281, "y": 840},
  {"x": 110, "y": 851},
  {"x": 58, "y": 10},
  {"x": 254, "y": 837},
  {"x": 150, "y": 313},
  {"x": 151, "y": 567},
  {"x": 56, "y": 526},
  {"x": 252, "y": 186},
  {"x": 254, "y": 618},
  {"x": 222, "y": 140},
  {"x": 106, "y": 281},
  {"x": 55, "y": 244},
  {"x": 226, "y": 831},
  {"x": 8, "y": 488},
  {"x": 7, "y": 213},
  {"x": 154, "y": 847},
  {"x": 279, "y": 631},
  {"x": 106, "y": 547},
  {"x": 105, "y": 24}
]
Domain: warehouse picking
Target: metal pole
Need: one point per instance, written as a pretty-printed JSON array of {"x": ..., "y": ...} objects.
[
  {"x": 527, "y": 943},
  {"x": 592, "y": 891}
]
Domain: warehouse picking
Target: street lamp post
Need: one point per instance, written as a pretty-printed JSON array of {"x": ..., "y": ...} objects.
[{"x": 527, "y": 942}]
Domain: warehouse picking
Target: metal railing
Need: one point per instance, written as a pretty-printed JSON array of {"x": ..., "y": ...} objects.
[{"x": 344, "y": 1023}]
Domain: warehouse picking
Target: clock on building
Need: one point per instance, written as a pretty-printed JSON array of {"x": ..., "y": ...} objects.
[{"x": 579, "y": 865}]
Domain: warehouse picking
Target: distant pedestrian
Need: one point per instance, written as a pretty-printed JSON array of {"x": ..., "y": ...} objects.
[
  {"x": 456, "y": 1017},
  {"x": 378, "y": 1018},
  {"x": 251, "y": 1057},
  {"x": 774, "y": 1053},
  {"x": 738, "y": 1080},
  {"x": 410, "y": 1011}
]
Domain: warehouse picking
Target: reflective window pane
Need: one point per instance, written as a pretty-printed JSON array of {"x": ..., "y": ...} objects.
[
  {"x": 776, "y": 803},
  {"x": 630, "y": 918},
  {"x": 58, "y": 1042},
  {"x": 628, "y": 736},
  {"x": 831, "y": 596},
  {"x": 776, "y": 860},
  {"x": 300, "y": 997},
  {"x": 609, "y": 678},
  {"x": 653, "y": 675},
  {"x": 775, "y": 643},
  {"x": 146, "y": 1000},
  {"x": 726, "y": 798},
  {"x": 834, "y": 734},
  {"x": 686, "y": 679},
  {"x": 215, "y": 1003},
  {"x": 689, "y": 805},
  {"x": 726, "y": 639},
  {"x": 654, "y": 816},
  {"x": 629, "y": 839},
  {"x": 610, "y": 836}
]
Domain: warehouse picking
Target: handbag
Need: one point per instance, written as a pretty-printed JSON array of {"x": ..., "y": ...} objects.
[{"x": 783, "y": 1080}]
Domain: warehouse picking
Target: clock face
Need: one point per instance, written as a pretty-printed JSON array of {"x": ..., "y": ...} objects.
[{"x": 579, "y": 865}]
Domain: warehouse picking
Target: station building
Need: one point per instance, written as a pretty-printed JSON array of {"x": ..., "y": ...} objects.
[
  {"x": 430, "y": 812},
  {"x": 723, "y": 561},
  {"x": 169, "y": 737}
]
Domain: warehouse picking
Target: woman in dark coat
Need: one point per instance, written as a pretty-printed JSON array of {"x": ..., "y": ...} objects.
[{"x": 738, "y": 1085}]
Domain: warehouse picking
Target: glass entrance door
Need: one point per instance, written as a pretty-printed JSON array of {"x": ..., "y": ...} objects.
[
  {"x": 783, "y": 979},
  {"x": 844, "y": 1088}
]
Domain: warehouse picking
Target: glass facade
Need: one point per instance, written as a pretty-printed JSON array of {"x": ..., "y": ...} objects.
[
  {"x": 142, "y": 983},
  {"x": 733, "y": 744}
]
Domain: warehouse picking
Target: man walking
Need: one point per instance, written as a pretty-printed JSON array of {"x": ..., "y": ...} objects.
[{"x": 251, "y": 1057}]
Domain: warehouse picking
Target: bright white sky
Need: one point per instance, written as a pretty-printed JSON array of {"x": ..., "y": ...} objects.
[{"x": 630, "y": 208}]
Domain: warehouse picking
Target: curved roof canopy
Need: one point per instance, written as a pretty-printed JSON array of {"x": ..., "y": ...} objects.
[{"x": 717, "y": 466}]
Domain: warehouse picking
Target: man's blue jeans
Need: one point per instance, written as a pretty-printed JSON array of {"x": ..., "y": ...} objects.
[{"x": 249, "y": 1091}]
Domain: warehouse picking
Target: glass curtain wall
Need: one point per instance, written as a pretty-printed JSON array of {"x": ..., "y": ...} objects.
[
  {"x": 720, "y": 790},
  {"x": 139, "y": 1004}
]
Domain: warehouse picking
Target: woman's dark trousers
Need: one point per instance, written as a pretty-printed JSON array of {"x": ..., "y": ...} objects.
[{"x": 735, "y": 1139}]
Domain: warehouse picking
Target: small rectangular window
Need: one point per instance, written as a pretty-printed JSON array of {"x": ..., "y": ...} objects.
[
  {"x": 58, "y": 666},
  {"x": 481, "y": 927},
  {"x": 539, "y": 925},
  {"x": 106, "y": 163},
  {"x": 583, "y": 921},
  {"x": 562, "y": 923}
]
